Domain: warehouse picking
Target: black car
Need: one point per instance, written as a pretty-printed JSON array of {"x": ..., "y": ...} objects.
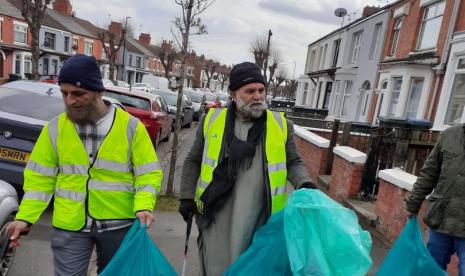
[
  {"x": 187, "y": 110},
  {"x": 23, "y": 114},
  {"x": 198, "y": 102}
]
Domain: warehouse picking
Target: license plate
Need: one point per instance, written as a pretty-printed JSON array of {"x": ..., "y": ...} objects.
[{"x": 14, "y": 155}]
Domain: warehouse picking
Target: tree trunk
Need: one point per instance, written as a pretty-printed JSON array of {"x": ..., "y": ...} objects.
[
  {"x": 177, "y": 126},
  {"x": 112, "y": 71},
  {"x": 35, "y": 54}
]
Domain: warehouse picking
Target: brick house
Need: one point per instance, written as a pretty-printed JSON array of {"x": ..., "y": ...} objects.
[
  {"x": 15, "y": 41},
  {"x": 409, "y": 78}
]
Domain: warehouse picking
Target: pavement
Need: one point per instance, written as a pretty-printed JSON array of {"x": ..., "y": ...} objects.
[{"x": 34, "y": 256}]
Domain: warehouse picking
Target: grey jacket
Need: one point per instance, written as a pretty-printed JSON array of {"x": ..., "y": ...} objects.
[
  {"x": 443, "y": 176},
  {"x": 296, "y": 170}
]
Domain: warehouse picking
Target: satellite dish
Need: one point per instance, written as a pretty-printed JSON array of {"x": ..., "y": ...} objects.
[{"x": 340, "y": 12}]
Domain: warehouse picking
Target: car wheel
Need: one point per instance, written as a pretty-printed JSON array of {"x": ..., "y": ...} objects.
[
  {"x": 7, "y": 253},
  {"x": 189, "y": 125}
]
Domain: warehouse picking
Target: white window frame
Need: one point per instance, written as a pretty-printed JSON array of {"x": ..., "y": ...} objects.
[
  {"x": 88, "y": 48},
  {"x": 335, "y": 97},
  {"x": 346, "y": 96},
  {"x": 51, "y": 47},
  {"x": 305, "y": 92},
  {"x": 358, "y": 37},
  {"x": 323, "y": 59},
  {"x": 336, "y": 50},
  {"x": 394, "y": 79},
  {"x": 457, "y": 71},
  {"x": 424, "y": 24},
  {"x": 395, "y": 35},
  {"x": 412, "y": 83},
  {"x": 23, "y": 29},
  {"x": 1, "y": 28},
  {"x": 376, "y": 40},
  {"x": 22, "y": 63}
]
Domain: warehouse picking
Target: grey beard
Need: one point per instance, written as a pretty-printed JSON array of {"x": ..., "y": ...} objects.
[{"x": 253, "y": 110}]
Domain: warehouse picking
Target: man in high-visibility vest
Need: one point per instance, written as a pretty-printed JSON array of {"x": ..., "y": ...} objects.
[
  {"x": 235, "y": 175},
  {"x": 98, "y": 163}
]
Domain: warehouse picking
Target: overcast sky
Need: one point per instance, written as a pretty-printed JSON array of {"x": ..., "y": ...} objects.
[{"x": 233, "y": 24}]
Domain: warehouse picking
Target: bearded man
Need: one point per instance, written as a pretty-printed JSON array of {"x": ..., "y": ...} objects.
[
  {"x": 235, "y": 175},
  {"x": 100, "y": 166}
]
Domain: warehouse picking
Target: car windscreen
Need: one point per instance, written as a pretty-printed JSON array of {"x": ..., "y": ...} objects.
[
  {"x": 129, "y": 100},
  {"x": 30, "y": 104},
  {"x": 224, "y": 97},
  {"x": 170, "y": 99},
  {"x": 195, "y": 97}
]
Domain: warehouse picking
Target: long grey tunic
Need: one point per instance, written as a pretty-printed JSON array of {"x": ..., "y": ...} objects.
[{"x": 247, "y": 208}]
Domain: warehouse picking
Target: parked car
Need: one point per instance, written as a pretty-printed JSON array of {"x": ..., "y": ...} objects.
[
  {"x": 151, "y": 110},
  {"x": 109, "y": 82},
  {"x": 156, "y": 82},
  {"x": 198, "y": 102},
  {"x": 23, "y": 114},
  {"x": 224, "y": 98},
  {"x": 141, "y": 86},
  {"x": 187, "y": 112},
  {"x": 49, "y": 88},
  {"x": 8, "y": 209},
  {"x": 122, "y": 84},
  {"x": 212, "y": 101}
]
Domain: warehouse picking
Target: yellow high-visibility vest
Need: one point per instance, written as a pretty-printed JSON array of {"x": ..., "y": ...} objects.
[
  {"x": 124, "y": 177},
  {"x": 275, "y": 154}
]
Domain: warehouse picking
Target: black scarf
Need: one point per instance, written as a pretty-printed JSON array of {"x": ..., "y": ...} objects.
[{"x": 238, "y": 155}]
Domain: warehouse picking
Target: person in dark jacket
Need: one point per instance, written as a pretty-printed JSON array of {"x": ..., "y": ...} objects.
[
  {"x": 443, "y": 179},
  {"x": 235, "y": 175}
]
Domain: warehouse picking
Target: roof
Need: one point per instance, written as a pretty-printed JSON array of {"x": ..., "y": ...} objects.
[
  {"x": 136, "y": 47},
  {"x": 7, "y": 8},
  {"x": 156, "y": 50},
  {"x": 69, "y": 23},
  {"x": 94, "y": 30}
]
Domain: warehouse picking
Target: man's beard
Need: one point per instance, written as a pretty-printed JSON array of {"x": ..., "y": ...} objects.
[
  {"x": 84, "y": 115},
  {"x": 251, "y": 110}
]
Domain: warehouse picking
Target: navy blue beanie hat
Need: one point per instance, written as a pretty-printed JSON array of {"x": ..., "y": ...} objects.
[
  {"x": 243, "y": 74},
  {"x": 82, "y": 71}
]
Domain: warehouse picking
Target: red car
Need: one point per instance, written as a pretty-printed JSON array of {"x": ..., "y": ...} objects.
[
  {"x": 211, "y": 101},
  {"x": 151, "y": 110}
]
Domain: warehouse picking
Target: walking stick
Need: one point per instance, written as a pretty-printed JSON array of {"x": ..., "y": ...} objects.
[{"x": 188, "y": 233}]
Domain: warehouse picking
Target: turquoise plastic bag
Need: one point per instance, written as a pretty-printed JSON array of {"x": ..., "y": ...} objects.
[
  {"x": 409, "y": 255},
  {"x": 138, "y": 256},
  {"x": 323, "y": 237},
  {"x": 267, "y": 255}
]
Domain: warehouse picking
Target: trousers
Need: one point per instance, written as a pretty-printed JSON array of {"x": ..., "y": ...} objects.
[
  {"x": 442, "y": 247},
  {"x": 72, "y": 250}
]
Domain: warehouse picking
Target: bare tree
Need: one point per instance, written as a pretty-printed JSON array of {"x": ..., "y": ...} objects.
[
  {"x": 209, "y": 67},
  {"x": 223, "y": 75},
  {"x": 258, "y": 48},
  {"x": 189, "y": 23},
  {"x": 275, "y": 61},
  {"x": 33, "y": 12},
  {"x": 111, "y": 44},
  {"x": 167, "y": 58}
]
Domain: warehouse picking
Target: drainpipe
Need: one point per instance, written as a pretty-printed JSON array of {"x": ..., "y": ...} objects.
[{"x": 440, "y": 69}]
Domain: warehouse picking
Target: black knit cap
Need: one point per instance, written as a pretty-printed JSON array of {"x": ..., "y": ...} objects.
[
  {"x": 243, "y": 74},
  {"x": 82, "y": 71}
]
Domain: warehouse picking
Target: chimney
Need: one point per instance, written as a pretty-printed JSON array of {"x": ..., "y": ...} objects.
[
  {"x": 145, "y": 39},
  {"x": 166, "y": 46},
  {"x": 63, "y": 6},
  {"x": 116, "y": 28},
  {"x": 369, "y": 10}
]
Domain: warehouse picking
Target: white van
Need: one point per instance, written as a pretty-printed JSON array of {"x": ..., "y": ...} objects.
[{"x": 159, "y": 83}]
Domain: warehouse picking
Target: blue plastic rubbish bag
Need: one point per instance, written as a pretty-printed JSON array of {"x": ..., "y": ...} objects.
[
  {"x": 138, "y": 256},
  {"x": 409, "y": 255},
  {"x": 323, "y": 237},
  {"x": 267, "y": 255}
]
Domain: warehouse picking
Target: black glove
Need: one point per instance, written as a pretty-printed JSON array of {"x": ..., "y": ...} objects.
[
  {"x": 307, "y": 185},
  {"x": 187, "y": 208}
]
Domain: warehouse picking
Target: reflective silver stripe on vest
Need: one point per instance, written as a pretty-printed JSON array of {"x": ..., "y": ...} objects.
[
  {"x": 74, "y": 169},
  {"x": 41, "y": 169},
  {"x": 111, "y": 186},
  {"x": 203, "y": 184},
  {"x": 147, "y": 188},
  {"x": 279, "y": 119},
  {"x": 146, "y": 168},
  {"x": 215, "y": 114},
  {"x": 209, "y": 161},
  {"x": 72, "y": 195},
  {"x": 276, "y": 167},
  {"x": 53, "y": 132},
  {"x": 278, "y": 191},
  {"x": 112, "y": 165},
  {"x": 42, "y": 196},
  {"x": 131, "y": 130}
]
